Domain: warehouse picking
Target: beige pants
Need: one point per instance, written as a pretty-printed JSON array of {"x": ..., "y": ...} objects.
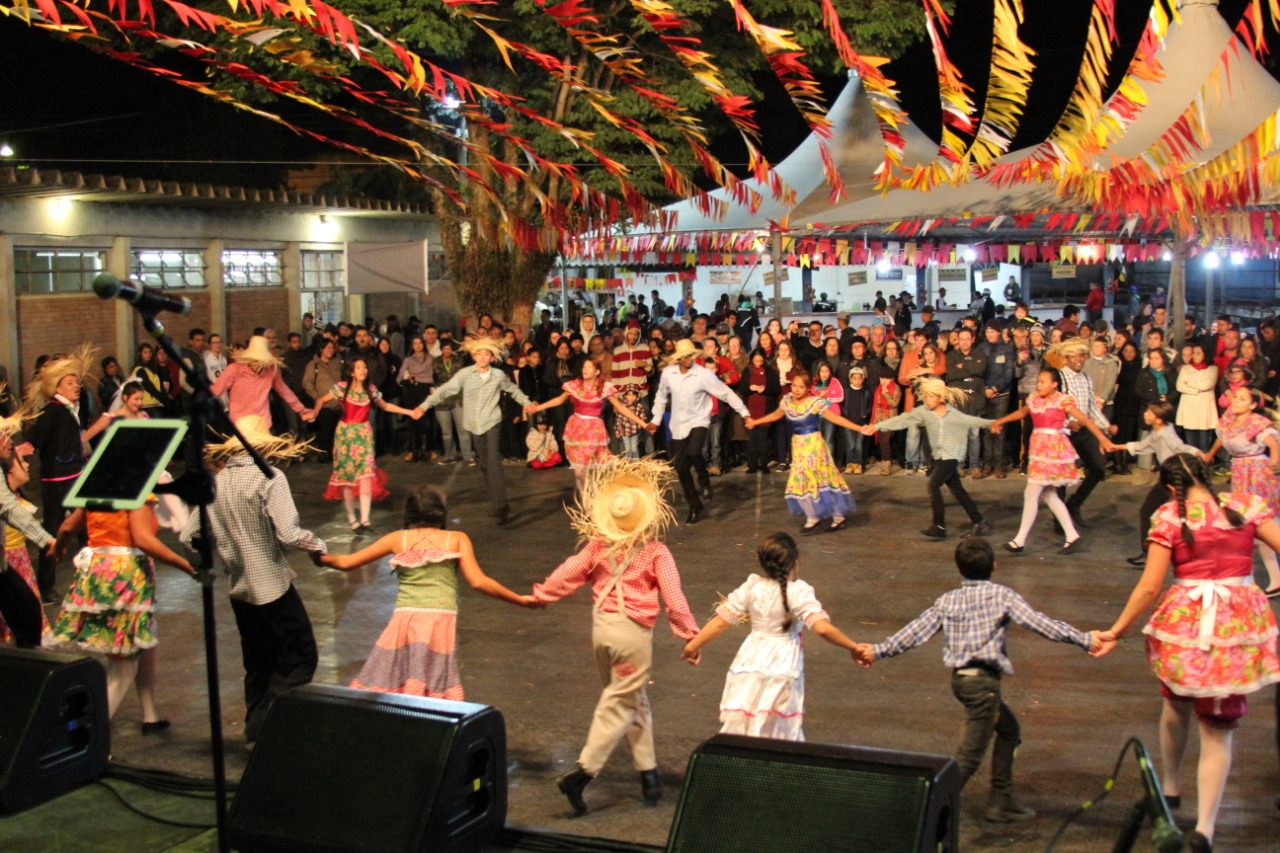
[{"x": 624, "y": 658}]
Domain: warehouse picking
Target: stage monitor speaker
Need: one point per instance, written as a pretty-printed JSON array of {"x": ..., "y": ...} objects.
[
  {"x": 744, "y": 794},
  {"x": 54, "y": 729},
  {"x": 337, "y": 769}
]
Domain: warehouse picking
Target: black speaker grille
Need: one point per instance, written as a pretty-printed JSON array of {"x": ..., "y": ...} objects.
[{"x": 739, "y": 804}]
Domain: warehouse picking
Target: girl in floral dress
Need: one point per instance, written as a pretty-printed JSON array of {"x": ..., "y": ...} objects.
[
  {"x": 354, "y": 466},
  {"x": 110, "y": 608},
  {"x": 416, "y": 653},
  {"x": 764, "y": 690},
  {"x": 815, "y": 487},
  {"x": 1212, "y": 637},
  {"x": 1052, "y": 460},
  {"x": 17, "y": 557},
  {"x": 1254, "y": 444},
  {"x": 586, "y": 440}
]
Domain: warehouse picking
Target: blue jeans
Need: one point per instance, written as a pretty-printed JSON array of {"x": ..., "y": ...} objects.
[{"x": 914, "y": 455}]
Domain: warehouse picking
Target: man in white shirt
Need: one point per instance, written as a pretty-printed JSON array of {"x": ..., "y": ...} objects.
[{"x": 690, "y": 387}]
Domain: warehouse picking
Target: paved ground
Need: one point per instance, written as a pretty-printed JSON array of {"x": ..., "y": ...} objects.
[{"x": 1076, "y": 712}]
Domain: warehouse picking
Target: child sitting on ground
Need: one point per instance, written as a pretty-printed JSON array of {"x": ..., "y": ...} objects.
[
  {"x": 973, "y": 619},
  {"x": 764, "y": 690},
  {"x": 544, "y": 450}
]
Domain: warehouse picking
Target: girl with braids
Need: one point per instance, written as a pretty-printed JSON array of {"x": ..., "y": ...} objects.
[
  {"x": 764, "y": 690},
  {"x": 1052, "y": 460},
  {"x": 1212, "y": 637},
  {"x": 948, "y": 431},
  {"x": 1254, "y": 444}
]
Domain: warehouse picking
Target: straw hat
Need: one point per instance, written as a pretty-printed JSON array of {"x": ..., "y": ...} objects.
[
  {"x": 932, "y": 385},
  {"x": 623, "y": 503},
  {"x": 684, "y": 349},
  {"x": 475, "y": 343},
  {"x": 1070, "y": 347},
  {"x": 45, "y": 383},
  {"x": 257, "y": 432},
  {"x": 257, "y": 355}
]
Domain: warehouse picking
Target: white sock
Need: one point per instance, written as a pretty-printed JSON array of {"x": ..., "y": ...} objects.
[
  {"x": 366, "y": 502},
  {"x": 1030, "y": 507},
  {"x": 349, "y": 501},
  {"x": 1211, "y": 775},
  {"x": 120, "y": 674},
  {"x": 1060, "y": 512}
]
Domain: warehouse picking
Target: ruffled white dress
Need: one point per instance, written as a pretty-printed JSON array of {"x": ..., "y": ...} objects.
[{"x": 764, "y": 690}]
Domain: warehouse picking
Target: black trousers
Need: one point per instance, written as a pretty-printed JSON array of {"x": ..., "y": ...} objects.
[
  {"x": 943, "y": 473},
  {"x": 758, "y": 444},
  {"x": 279, "y": 651},
  {"x": 1095, "y": 468},
  {"x": 488, "y": 449},
  {"x": 1156, "y": 498},
  {"x": 20, "y": 608},
  {"x": 52, "y": 494},
  {"x": 686, "y": 454}
]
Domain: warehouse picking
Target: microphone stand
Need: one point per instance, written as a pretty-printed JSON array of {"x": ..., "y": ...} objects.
[{"x": 197, "y": 488}]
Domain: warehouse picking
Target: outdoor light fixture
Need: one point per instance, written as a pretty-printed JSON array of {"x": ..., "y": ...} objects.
[
  {"x": 1212, "y": 261},
  {"x": 969, "y": 254},
  {"x": 452, "y": 102},
  {"x": 1237, "y": 257},
  {"x": 1166, "y": 255},
  {"x": 327, "y": 227},
  {"x": 61, "y": 207},
  {"x": 6, "y": 150},
  {"x": 883, "y": 264}
]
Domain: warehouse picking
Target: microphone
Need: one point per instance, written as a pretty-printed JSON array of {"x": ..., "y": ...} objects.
[
  {"x": 147, "y": 300},
  {"x": 1165, "y": 835}
]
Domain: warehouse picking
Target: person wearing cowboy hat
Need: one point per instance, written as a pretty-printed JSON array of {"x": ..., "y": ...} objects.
[
  {"x": 55, "y": 437},
  {"x": 481, "y": 388},
  {"x": 253, "y": 520},
  {"x": 253, "y": 373},
  {"x": 690, "y": 387},
  {"x": 621, "y": 514}
]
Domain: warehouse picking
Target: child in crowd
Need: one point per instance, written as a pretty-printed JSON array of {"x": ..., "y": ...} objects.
[
  {"x": 884, "y": 405},
  {"x": 544, "y": 450},
  {"x": 973, "y": 619},
  {"x": 764, "y": 690},
  {"x": 625, "y": 430},
  {"x": 1162, "y": 440},
  {"x": 857, "y": 408}
]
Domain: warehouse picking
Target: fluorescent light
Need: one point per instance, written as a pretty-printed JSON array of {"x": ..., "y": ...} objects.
[{"x": 1212, "y": 261}]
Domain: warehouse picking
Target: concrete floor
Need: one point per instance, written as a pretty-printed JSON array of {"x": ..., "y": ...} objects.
[{"x": 873, "y": 577}]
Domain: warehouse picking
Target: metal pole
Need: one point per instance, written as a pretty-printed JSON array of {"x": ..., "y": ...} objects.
[
  {"x": 1178, "y": 291},
  {"x": 1208, "y": 296},
  {"x": 564, "y": 295},
  {"x": 776, "y": 250}
]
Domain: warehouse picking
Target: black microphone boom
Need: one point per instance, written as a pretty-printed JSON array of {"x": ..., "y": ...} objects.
[
  {"x": 147, "y": 300},
  {"x": 1165, "y": 835}
]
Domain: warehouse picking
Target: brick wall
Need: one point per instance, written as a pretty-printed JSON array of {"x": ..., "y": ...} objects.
[
  {"x": 49, "y": 324},
  {"x": 178, "y": 326},
  {"x": 250, "y": 307}
]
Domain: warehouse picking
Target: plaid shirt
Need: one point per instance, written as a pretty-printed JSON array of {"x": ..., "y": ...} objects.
[
  {"x": 1080, "y": 388},
  {"x": 253, "y": 519},
  {"x": 973, "y": 620},
  {"x": 948, "y": 435},
  {"x": 12, "y": 512}
]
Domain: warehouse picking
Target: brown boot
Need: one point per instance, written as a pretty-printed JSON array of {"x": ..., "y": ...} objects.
[
  {"x": 886, "y": 468},
  {"x": 982, "y": 473},
  {"x": 1002, "y": 472}
]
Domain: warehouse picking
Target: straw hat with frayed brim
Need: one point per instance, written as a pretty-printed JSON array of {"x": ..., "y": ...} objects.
[
  {"x": 257, "y": 355},
  {"x": 623, "y": 503},
  {"x": 258, "y": 434},
  {"x": 474, "y": 344},
  {"x": 79, "y": 363},
  {"x": 684, "y": 349}
]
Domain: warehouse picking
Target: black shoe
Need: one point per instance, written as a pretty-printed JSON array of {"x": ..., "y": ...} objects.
[
  {"x": 1197, "y": 843},
  {"x": 1137, "y": 562},
  {"x": 1007, "y": 810},
  {"x": 695, "y": 515},
  {"x": 572, "y": 785},
  {"x": 934, "y": 532},
  {"x": 981, "y": 528},
  {"x": 365, "y": 527},
  {"x": 504, "y": 516},
  {"x": 837, "y": 525},
  {"x": 1070, "y": 547},
  {"x": 650, "y": 786},
  {"x": 154, "y": 727},
  {"x": 810, "y": 529},
  {"x": 1014, "y": 548}
]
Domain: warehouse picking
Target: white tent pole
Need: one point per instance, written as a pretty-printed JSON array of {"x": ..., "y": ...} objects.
[
  {"x": 1178, "y": 292},
  {"x": 776, "y": 250}
]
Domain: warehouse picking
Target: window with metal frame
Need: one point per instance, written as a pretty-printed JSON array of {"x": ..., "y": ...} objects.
[
  {"x": 41, "y": 270},
  {"x": 252, "y": 268},
  {"x": 168, "y": 269}
]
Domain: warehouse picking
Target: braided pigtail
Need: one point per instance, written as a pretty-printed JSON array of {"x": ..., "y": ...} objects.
[
  {"x": 778, "y": 553},
  {"x": 1179, "y": 473}
]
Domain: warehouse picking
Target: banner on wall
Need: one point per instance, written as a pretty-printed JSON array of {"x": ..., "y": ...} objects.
[
  {"x": 1063, "y": 270},
  {"x": 726, "y": 278},
  {"x": 387, "y": 267},
  {"x": 768, "y": 276},
  {"x": 953, "y": 274},
  {"x": 857, "y": 277}
]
